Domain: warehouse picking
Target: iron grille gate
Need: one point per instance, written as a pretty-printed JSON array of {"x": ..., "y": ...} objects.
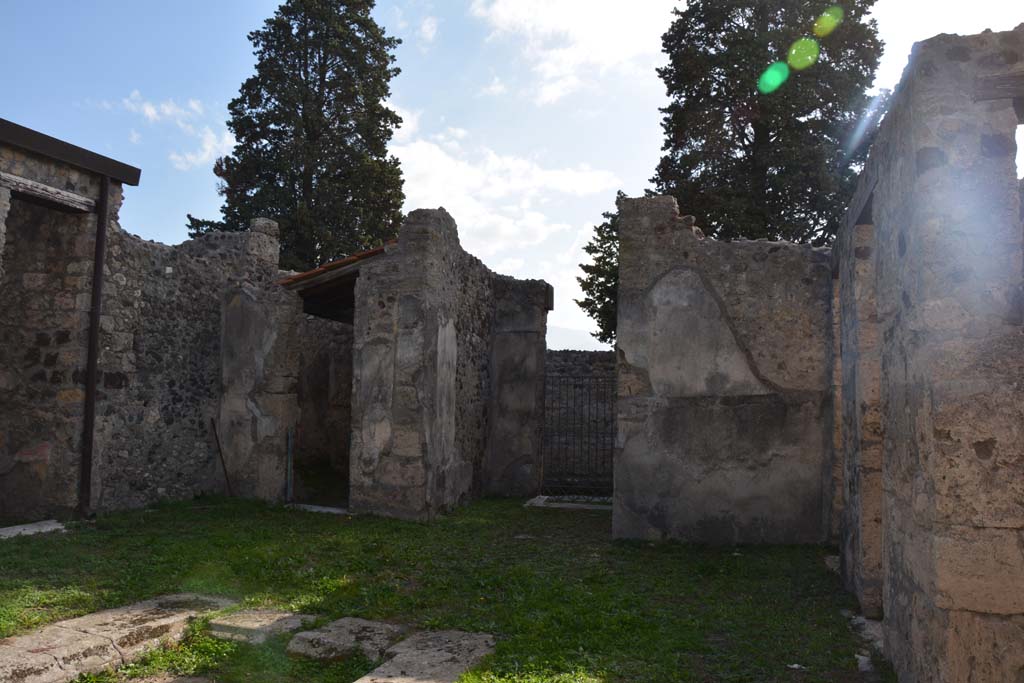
[{"x": 579, "y": 435}]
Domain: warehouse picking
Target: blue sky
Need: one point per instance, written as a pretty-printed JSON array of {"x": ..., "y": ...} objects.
[{"x": 523, "y": 117}]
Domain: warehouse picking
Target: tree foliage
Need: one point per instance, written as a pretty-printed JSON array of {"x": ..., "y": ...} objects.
[
  {"x": 778, "y": 166},
  {"x": 600, "y": 282},
  {"x": 311, "y": 129}
]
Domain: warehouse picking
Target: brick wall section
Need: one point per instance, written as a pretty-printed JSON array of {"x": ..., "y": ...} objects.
[
  {"x": 948, "y": 233},
  {"x": 43, "y": 321},
  {"x": 724, "y": 389},
  {"x": 45, "y": 277}
]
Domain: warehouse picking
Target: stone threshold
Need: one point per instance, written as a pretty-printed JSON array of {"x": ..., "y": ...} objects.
[
  {"x": 48, "y": 526},
  {"x": 318, "y": 508},
  {"x": 569, "y": 503},
  {"x": 61, "y": 652}
]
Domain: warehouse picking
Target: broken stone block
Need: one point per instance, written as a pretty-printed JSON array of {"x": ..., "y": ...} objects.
[
  {"x": 255, "y": 626},
  {"x": 142, "y": 626},
  {"x": 345, "y": 637},
  {"x": 54, "y": 654},
  {"x": 432, "y": 657}
]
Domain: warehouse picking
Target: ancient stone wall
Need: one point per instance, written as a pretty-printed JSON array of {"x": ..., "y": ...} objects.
[
  {"x": 161, "y": 365},
  {"x": 941, "y": 190},
  {"x": 43, "y": 321},
  {"x": 723, "y": 385},
  {"x": 321, "y": 459},
  {"x": 516, "y": 401},
  {"x": 859, "y": 452},
  {"x": 45, "y": 279},
  {"x": 161, "y": 362},
  {"x": 426, "y": 345},
  {"x": 581, "y": 363}
]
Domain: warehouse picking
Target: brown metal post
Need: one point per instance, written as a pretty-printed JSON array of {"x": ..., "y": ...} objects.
[{"x": 92, "y": 360}]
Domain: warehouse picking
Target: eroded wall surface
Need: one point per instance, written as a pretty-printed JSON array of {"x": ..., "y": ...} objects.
[
  {"x": 516, "y": 401},
  {"x": 859, "y": 451},
  {"x": 946, "y": 210},
  {"x": 160, "y": 363},
  {"x": 324, "y": 432},
  {"x": 723, "y": 384},
  {"x": 425, "y": 338}
]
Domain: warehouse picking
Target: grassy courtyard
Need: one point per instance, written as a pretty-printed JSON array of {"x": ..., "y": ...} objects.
[{"x": 567, "y": 604}]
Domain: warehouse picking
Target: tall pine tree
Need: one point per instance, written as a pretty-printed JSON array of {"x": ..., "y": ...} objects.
[
  {"x": 779, "y": 166},
  {"x": 311, "y": 131}
]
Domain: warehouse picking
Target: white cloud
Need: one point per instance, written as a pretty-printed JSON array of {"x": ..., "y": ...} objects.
[
  {"x": 134, "y": 137},
  {"x": 494, "y": 88},
  {"x": 168, "y": 110},
  {"x": 410, "y": 123},
  {"x": 211, "y": 147},
  {"x": 428, "y": 29},
  {"x": 493, "y": 196},
  {"x": 901, "y": 23},
  {"x": 571, "y": 43}
]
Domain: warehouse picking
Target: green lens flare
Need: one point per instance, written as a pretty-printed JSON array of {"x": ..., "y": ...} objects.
[
  {"x": 828, "y": 21},
  {"x": 803, "y": 53},
  {"x": 773, "y": 78}
]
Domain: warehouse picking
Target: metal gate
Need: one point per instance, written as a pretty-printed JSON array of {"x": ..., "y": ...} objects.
[{"x": 579, "y": 435}]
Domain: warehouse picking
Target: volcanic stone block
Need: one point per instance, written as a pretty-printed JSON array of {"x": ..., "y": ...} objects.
[
  {"x": 345, "y": 637},
  {"x": 255, "y": 626},
  {"x": 432, "y": 657}
]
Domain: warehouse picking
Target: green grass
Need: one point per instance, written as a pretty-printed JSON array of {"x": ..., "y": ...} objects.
[{"x": 567, "y": 604}]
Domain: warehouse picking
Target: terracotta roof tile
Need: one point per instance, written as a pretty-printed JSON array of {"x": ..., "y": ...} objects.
[{"x": 334, "y": 265}]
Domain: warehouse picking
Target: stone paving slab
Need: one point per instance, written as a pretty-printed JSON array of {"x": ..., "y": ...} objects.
[
  {"x": 432, "y": 657},
  {"x": 255, "y": 626},
  {"x": 61, "y": 652},
  {"x": 345, "y": 637},
  {"x": 31, "y": 529},
  {"x": 54, "y": 653},
  {"x": 139, "y": 627}
]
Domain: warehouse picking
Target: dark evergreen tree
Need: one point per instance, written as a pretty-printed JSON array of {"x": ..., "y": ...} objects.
[
  {"x": 600, "y": 283},
  {"x": 311, "y": 131},
  {"x": 779, "y": 166}
]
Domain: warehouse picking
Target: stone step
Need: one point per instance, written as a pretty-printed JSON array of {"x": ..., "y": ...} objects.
[
  {"x": 256, "y": 626},
  {"x": 62, "y": 651},
  {"x": 46, "y": 527},
  {"x": 432, "y": 657},
  {"x": 345, "y": 637}
]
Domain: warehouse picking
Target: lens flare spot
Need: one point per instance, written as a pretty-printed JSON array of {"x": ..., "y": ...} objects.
[
  {"x": 773, "y": 77},
  {"x": 829, "y": 21},
  {"x": 803, "y": 53}
]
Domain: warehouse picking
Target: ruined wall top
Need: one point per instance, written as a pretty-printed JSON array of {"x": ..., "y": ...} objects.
[{"x": 756, "y": 280}]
